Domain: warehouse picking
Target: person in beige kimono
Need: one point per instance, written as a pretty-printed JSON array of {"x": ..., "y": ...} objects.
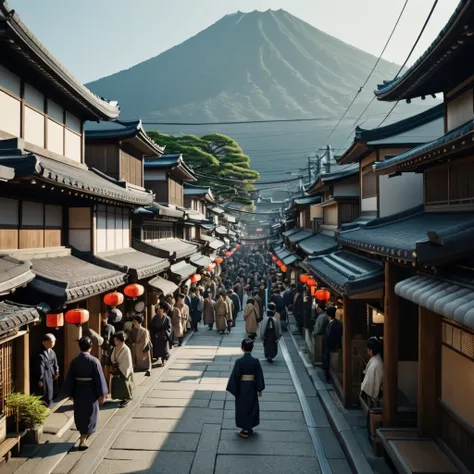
[
  {"x": 251, "y": 318},
  {"x": 209, "y": 311},
  {"x": 223, "y": 314},
  {"x": 141, "y": 346},
  {"x": 179, "y": 318}
]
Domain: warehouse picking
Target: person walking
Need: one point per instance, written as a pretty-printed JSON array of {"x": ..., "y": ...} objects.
[
  {"x": 298, "y": 309},
  {"x": 141, "y": 346},
  {"x": 196, "y": 308},
  {"x": 47, "y": 370},
  {"x": 246, "y": 383},
  {"x": 321, "y": 319},
  {"x": 251, "y": 319},
  {"x": 161, "y": 332},
  {"x": 270, "y": 333},
  {"x": 107, "y": 333},
  {"x": 223, "y": 315},
  {"x": 85, "y": 384},
  {"x": 332, "y": 339},
  {"x": 122, "y": 386},
  {"x": 179, "y": 318},
  {"x": 236, "y": 305},
  {"x": 209, "y": 310}
]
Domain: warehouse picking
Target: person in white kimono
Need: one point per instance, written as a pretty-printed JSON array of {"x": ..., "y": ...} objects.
[
  {"x": 141, "y": 346},
  {"x": 372, "y": 384},
  {"x": 122, "y": 385}
]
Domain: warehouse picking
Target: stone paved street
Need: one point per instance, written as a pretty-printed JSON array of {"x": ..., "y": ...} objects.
[{"x": 182, "y": 420}]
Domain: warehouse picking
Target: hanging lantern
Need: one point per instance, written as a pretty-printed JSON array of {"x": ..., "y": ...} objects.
[
  {"x": 323, "y": 295},
  {"x": 279, "y": 263},
  {"x": 228, "y": 254},
  {"x": 55, "y": 320},
  {"x": 195, "y": 278},
  {"x": 134, "y": 290},
  {"x": 211, "y": 267},
  {"x": 274, "y": 258},
  {"x": 77, "y": 316},
  {"x": 113, "y": 299},
  {"x": 237, "y": 247},
  {"x": 313, "y": 289},
  {"x": 304, "y": 278},
  {"x": 219, "y": 260},
  {"x": 311, "y": 282},
  {"x": 284, "y": 268}
]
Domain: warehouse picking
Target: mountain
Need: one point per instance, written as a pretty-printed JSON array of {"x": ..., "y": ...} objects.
[{"x": 254, "y": 66}]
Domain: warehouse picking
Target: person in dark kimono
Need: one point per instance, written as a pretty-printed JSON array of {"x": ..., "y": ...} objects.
[
  {"x": 195, "y": 308},
  {"x": 85, "y": 384},
  {"x": 246, "y": 384},
  {"x": 47, "y": 369},
  {"x": 298, "y": 309},
  {"x": 270, "y": 333},
  {"x": 161, "y": 333},
  {"x": 332, "y": 339},
  {"x": 107, "y": 333},
  {"x": 236, "y": 302}
]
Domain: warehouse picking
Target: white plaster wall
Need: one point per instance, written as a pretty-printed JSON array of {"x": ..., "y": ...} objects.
[
  {"x": 55, "y": 137},
  {"x": 400, "y": 193},
  {"x": 34, "y": 127},
  {"x": 369, "y": 204},
  {"x": 10, "y": 114},
  {"x": 73, "y": 146},
  {"x": 460, "y": 110}
]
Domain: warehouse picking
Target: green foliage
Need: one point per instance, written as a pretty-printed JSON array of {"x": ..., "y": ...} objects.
[
  {"x": 29, "y": 409},
  {"x": 215, "y": 155}
]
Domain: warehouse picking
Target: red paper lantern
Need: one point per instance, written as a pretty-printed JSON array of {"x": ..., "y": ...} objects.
[
  {"x": 323, "y": 295},
  {"x": 195, "y": 278},
  {"x": 279, "y": 263},
  {"x": 304, "y": 278},
  {"x": 283, "y": 268},
  {"x": 134, "y": 290},
  {"x": 237, "y": 247},
  {"x": 228, "y": 254},
  {"x": 313, "y": 289},
  {"x": 219, "y": 260},
  {"x": 274, "y": 258},
  {"x": 311, "y": 282},
  {"x": 113, "y": 299},
  {"x": 77, "y": 316},
  {"x": 54, "y": 320}
]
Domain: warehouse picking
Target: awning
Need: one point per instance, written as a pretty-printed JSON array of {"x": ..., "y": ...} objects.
[
  {"x": 221, "y": 230},
  {"x": 290, "y": 259},
  {"x": 137, "y": 264},
  {"x": 78, "y": 177},
  {"x": 318, "y": 244},
  {"x": 169, "y": 248},
  {"x": 299, "y": 236},
  {"x": 183, "y": 270},
  {"x": 348, "y": 273},
  {"x": 216, "y": 244},
  {"x": 15, "y": 315},
  {"x": 200, "y": 260},
  {"x": 451, "y": 299},
  {"x": 166, "y": 211},
  {"x": 291, "y": 232},
  {"x": 232, "y": 233},
  {"x": 14, "y": 274},
  {"x": 194, "y": 216},
  {"x": 167, "y": 287},
  {"x": 6, "y": 173},
  {"x": 216, "y": 210},
  {"x": 73, "y": 279}
]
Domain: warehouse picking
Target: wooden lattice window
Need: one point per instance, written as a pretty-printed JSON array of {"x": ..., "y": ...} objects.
[
  {"x": 6, "y": 373},
  {"x": 457, "y": 339}
]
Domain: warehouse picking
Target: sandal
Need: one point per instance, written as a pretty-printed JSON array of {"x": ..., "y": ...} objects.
[{"x": 244, "y": 434}]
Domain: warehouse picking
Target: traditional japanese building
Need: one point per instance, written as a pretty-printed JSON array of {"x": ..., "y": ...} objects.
[
  {"x": 55, "y": 211},
  {"x": 428, "y": 266}
]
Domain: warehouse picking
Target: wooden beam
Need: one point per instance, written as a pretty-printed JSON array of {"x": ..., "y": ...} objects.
[
  {"x": 347, "y": 352},
  {"x": 391, "y": 336},
  {"x": 429, "y": 372},
  {"x": 22, "y": 363}
]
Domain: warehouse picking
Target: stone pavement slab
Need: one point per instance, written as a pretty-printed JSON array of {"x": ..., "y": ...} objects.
[
  {"x": 166, "y": 426},
  {"x": 176, "y": 402},
  {"x": 156, "y": 441},
  {"x": 180, "y": 413},
  {"x": 271, "y": 436},
  {"x": 263, "y": 448},
  {"x": 205, "y": 458},
  {"x": 244, "y": 464}
]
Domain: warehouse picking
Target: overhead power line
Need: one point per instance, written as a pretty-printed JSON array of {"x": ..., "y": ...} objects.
[
  {"x": 370, "y": 73},
  {"x": 271, "y": 213},
  {"x": 237, "y": 181}
]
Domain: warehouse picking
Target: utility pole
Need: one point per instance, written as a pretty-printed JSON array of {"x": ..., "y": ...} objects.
[
  {"x": 328, "y": 158},
  {"x": 309, "y": 169}
]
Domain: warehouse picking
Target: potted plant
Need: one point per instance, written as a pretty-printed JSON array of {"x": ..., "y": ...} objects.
[{"x": 30, "y": 413}]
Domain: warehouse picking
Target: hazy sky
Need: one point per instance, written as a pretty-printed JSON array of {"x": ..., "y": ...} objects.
[{"x": 95, "y": 38}]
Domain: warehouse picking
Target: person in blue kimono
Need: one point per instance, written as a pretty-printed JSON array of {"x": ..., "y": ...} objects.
[
  {"x": 246, "y": 384},
  {"x": 47, "y": 370},
  {"x": 86, "y": 386}
]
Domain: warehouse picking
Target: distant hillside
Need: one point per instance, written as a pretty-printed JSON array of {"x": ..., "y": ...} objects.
[{"x": 253, "y": 66}]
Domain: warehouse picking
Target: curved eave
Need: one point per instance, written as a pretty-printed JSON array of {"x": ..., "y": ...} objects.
[
  {"x": 356, "y": 152},
  {"x": 183, "y": 172},
  {"x": 416, "y": 80},
  {"x": 37, "y": 56}
]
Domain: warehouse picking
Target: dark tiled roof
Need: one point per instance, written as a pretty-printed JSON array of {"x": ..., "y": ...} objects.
[
  {"x": 302, "y": 201},
  {"x": 290, "y": 232},
  {"x": 73, "y": 279},
  {"x": 122, "y": 130},
  {"x": 28, "y": 53},
  {"x": 216, "y": 210},
  {"x": 200, "y": 260},
  {"x": 6, "y": 173},
  {"x": 183, "y": 270},
  {"x": 15, "y": 315},
  {"x": 415, "y": 235},
  {"x": 299, "y": 236},
  {"x": 13, "y": 274},
  {"x": 318, "y": 244},
  {"x": 348, "y": 273},
  {"x": 167, "y": 287},
  {"x": 338, "y": 173},
  {"x": 222, "y": 230},
  {"x": 194, "y": 216},
  {"x": 432, "y": 151},
  {"x": 76, "y": 178},
  {"x": 170, "y": 161},
  {"x": 167, "y": 248},
  {"x": 434, "y": 70},
  {"x": 137, "y": 264},
  {"x": 198, "y": 191}
]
